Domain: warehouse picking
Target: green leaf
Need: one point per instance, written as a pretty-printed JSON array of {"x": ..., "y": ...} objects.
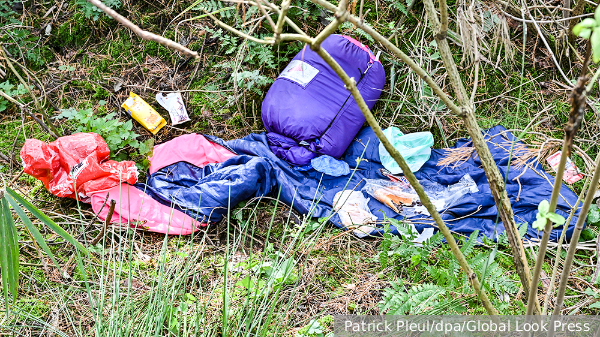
[
  {"x": 597, "y": 14},
  {"x": 585, "y": 23},
  {"x": 585, "y": 33},
  {"x": 556, "y": 218},
  {"x": 543, "y": 207},
  {"x": 128, "y": 125},
  {"x": 539, "y": 224},
  {"x": 35, "y": 233},
  {"x": 9, "y": 253},
  {"x": 314, "y": 327},
  {"x": 46, "y": 220},
  {"x": 594, "y": 214},
  {"x": 595, "y": 305},
  {"x": 595, "y": 40}
]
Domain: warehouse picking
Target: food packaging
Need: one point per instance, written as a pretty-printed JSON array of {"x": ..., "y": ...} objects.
[
  {"x": 173, "y": 103},
  {"x": 144, "y": 113},
  {"x": 571, "y": 174},
  {"x": 392, "y": 194}
]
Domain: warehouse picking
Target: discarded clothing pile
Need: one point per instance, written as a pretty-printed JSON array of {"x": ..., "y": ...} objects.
[
  {"x": 193, "y": 179},
  {"x": 311, "y": 120}
]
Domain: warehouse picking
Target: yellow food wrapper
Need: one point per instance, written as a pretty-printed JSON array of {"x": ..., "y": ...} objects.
[{"x": 144, "y": 113}]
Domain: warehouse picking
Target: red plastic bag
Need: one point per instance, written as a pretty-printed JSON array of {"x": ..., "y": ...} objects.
[{"x": 83, "y": 156}]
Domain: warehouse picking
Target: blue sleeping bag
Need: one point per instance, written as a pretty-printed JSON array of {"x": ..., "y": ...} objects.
[{"x": 205, "y": 193}]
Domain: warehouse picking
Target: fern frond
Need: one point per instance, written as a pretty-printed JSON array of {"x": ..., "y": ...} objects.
[{"x": 420, "y": 298}]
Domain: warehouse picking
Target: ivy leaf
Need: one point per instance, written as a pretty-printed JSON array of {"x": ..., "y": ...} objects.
[
  {"x": 543, "y": 208},
  {"x": 595, "y": 305}
]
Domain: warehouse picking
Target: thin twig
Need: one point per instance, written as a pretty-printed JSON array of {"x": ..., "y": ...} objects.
[
  {"x": 573, "y": 245},
  {"x": 563, "y": 234},
  {"x": 109, "y": 216},
  {"x": 577, "y": 98},
  {"x": 281, "y": 19},
  {"x": 550, "y": 50},
  {"x": 142, "y": 33},
  {"x": 50, "y": 127},
  {"x": 267, "y": 15}
]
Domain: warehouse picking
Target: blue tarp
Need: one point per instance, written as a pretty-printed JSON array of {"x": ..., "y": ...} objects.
[{"x": 205, "y": 193}]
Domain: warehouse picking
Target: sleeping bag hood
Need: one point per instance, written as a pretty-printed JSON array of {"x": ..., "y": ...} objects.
[{"x": 308, "y": 111}]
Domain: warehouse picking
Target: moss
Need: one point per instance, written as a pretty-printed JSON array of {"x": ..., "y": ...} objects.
[
  {"x": 73, "y": 33},
  {"x": 33, "y": 306}
]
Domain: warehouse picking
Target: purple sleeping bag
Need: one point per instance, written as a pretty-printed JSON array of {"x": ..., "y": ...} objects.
[{"x": 308, "y": 111}]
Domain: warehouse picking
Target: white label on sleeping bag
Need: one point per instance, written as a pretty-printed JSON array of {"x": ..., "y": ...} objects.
[{"x": 299, "y": 72}]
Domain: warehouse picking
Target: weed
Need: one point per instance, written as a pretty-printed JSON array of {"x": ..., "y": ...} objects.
[
  {"x": 91, "y": 11},
  {"x": 11, "y": 91},
  {"x": 118, "y": 135},
  {"x": 321, "y": 327}
]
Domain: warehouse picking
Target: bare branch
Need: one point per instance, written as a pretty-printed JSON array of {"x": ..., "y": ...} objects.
[
  {"x": 495, "y": 179},
  {"x": 444, "y": 20},
  {"x": 142, "y": 33},
  {"x": 559, "y": 247},
  {"x": 340, "y": 16},
  {"x": 401, "y": 55},
  {"x": 10, "y": 99},
  {"x": 235, "y": 31},
  {"x": 282, "y": 15},
  {"x": 351, "y": 86},
  {"x": 574, "y": 240},
  {"x": 296, "y": 37},
  {"x": 262, "y": 9},
  {"x": 288, "y": 20},
  {"x": 578, "y": 105}
]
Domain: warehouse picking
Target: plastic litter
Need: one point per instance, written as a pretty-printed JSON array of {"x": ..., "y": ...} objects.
[
  {"x": 444, "y": 197},
  {"x": 415, "y": 148},
  {"x": 173, "y": 103},
  {"x": 144, "y": 113},
  {"x": 353, "y": 210},
  {"x": 330, "y": 166},
  {"x": 571, "y": 174},
  {"x": 392, "y": 194},
  {"x": 403, "y": 199},
  {"x": 82, "y": 157}
]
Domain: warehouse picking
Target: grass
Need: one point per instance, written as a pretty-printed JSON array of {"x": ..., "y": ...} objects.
[{"x": 147, "y": 284}]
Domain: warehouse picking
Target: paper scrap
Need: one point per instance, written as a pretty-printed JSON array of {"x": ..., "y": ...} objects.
[
  {"x": 173, "y": 103},
  {"x": 571, "y": 174}
]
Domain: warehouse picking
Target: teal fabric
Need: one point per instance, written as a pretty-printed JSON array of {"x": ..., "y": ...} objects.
[{"x": 415, "y": 148}]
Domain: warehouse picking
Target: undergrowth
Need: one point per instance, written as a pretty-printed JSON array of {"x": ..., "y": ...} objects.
[{"x": 280, "y": 278}]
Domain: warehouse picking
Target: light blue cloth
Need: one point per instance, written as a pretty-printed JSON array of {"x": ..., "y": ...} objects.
[{"x": 330, "y": 166}]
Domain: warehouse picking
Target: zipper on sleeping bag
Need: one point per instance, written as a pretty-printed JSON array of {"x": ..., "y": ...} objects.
[{"x": 346, "y": 101}]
